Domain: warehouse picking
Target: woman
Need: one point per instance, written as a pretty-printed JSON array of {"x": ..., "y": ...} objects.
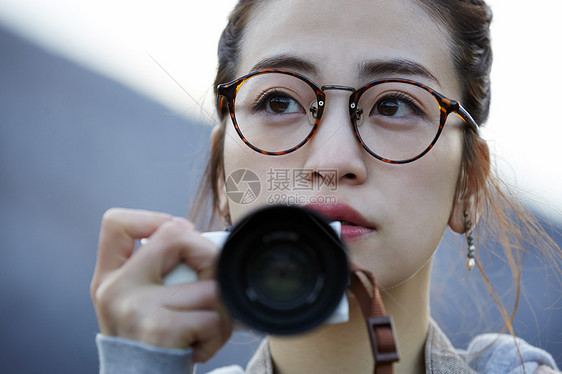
[{"x": 414, "y": 171}]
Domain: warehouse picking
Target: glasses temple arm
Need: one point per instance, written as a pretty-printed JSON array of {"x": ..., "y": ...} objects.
[{"x": 467, "y": 118}]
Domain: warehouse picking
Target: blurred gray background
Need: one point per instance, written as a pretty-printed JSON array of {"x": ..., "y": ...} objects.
[{"x": 74, "y": 143}]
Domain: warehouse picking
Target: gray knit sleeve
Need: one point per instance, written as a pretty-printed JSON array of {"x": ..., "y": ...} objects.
[{"x": 124, "y": 356}]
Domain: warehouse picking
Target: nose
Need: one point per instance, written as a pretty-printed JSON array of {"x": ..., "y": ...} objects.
[{"x": 334, "y": 148}]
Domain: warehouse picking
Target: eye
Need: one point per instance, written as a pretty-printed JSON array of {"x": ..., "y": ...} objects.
[
  {"x": 278, "y": 103},
  {"x": 395, "y": 106}
]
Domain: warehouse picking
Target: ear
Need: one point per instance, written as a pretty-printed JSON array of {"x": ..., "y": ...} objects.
[
  {"x": 222, "y": 198},
  {"x": 471, "y": 190},
  {"x": 468, "y": 207}
]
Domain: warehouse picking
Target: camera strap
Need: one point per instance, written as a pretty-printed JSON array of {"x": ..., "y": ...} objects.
[{"x": 379, "y": 325}]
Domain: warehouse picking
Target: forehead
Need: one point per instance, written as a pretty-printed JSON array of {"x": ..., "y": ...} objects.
[{"x": 340, "y": 36}]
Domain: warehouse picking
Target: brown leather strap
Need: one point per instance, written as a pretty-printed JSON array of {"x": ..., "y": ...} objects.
[{"x": 379, "y": 325}]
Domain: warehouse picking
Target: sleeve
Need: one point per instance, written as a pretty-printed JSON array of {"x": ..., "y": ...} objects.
[
  {"x": 495, "y": 353},
  {"x": 124, "y": 356}
]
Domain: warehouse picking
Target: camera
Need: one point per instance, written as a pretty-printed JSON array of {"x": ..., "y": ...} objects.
[{"x": 282, "y": 270}]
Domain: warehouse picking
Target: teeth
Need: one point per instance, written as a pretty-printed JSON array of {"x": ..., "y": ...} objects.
[{"x": 347, "y": 223}]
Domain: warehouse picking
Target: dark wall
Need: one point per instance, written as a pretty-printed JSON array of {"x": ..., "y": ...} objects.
[{"x": 73, "y": 144}]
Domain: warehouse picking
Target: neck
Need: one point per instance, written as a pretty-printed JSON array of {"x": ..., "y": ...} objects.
[{"x": 345, "y": 347}]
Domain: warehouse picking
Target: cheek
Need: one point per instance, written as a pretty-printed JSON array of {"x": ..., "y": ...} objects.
[
  {"x": 419, "y": 201},
  {"x": 240, "y": 171},
  {"x": 432, "y": 182},
  {"x": 247, "y": 175}
]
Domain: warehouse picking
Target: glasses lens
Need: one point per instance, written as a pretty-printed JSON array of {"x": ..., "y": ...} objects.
[
  {"x": 399, "y": 120},
  {"x": 272, "y": 111}
]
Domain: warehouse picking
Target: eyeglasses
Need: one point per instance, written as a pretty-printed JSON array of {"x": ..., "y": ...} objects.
[{"x": 275, "y": 112}]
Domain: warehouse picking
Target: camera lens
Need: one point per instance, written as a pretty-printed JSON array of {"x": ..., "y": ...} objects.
[
  {"x": 283, "y": 276},
  {"x": 282, "y": 270}
]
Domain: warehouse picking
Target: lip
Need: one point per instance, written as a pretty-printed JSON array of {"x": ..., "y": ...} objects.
[{"x": 354, "y": 225}]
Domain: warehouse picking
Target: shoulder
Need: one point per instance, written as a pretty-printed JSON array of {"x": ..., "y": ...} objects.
[
  {"x": 487, "y": 353},
  {"x": 501, "y": 353}
]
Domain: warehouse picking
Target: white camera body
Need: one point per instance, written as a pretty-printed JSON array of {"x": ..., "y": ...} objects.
[{"x": 183, "y": 274}]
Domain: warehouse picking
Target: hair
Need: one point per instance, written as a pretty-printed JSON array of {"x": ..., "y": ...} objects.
[{"x": 504, "y": 216}]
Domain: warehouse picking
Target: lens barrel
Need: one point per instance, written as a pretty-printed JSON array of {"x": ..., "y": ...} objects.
[{"x": 283, "y": 270}]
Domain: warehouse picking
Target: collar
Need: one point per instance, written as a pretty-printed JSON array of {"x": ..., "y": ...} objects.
[{"x": 440, "y": 356}]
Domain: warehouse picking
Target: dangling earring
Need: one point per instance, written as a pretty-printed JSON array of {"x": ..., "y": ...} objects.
[{"x": 470, "y": 262}]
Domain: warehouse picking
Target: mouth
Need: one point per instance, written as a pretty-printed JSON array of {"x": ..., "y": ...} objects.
[{"x": 354, "y": 225}]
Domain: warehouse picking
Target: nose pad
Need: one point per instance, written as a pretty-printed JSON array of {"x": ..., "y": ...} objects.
[
  {"x": 357, "y": 113},
  {"x": 313, "y": 111}
]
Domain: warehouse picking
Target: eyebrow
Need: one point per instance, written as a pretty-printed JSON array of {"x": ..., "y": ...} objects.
[
  {"x": 372, "y": 69},
  {"x": 287, "y": 61},
  {"x": 400, "y": 67}
]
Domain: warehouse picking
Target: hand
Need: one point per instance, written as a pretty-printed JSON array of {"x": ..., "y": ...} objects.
[{"x": 128, "y": 293}]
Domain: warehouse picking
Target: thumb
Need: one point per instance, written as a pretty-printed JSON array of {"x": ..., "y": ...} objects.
[{"x": 175, "y": 242}]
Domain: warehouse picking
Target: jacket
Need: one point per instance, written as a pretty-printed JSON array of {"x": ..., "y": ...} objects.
[{"x": 488, "y": 353}]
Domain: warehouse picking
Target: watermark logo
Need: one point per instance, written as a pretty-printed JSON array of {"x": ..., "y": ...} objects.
[
  {"x": 301, "y": 180},
  {"x": 243, "y": 186},
  {"x": 283, "y": 186}
]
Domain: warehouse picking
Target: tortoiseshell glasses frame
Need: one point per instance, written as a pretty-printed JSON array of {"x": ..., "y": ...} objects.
[{"x": 227, "y": 94}]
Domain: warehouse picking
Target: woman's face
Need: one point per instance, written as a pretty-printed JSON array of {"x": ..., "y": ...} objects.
[{"x": 394, "y": 215}]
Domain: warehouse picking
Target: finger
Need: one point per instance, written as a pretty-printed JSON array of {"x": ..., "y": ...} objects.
[
  {"x": 200, "y": 295},
  {"x": 120, "y": 229},
  {"x": 204, "y": 331},
  {"x": 122, "y": 311},
  {"x": 173, "y": 243}
]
